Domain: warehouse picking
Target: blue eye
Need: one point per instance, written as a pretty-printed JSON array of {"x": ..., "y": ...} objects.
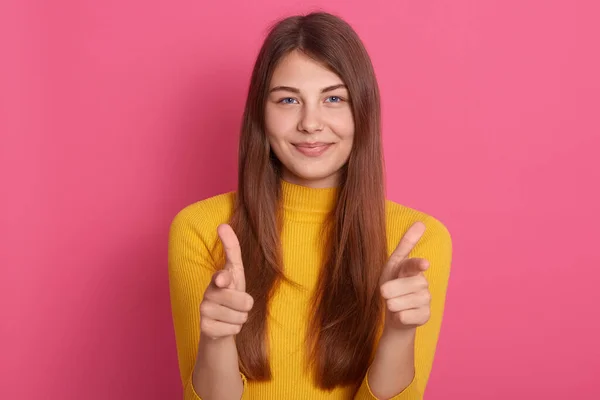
[
  {"x": 335, "y": 99},
  {"x": 285, "y": 100}
]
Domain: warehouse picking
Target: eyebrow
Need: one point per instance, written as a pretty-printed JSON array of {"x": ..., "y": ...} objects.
[{"x": 296, "y": 90}]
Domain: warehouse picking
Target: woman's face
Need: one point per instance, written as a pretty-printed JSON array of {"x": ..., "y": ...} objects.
[{"x": 308, "y": 121}]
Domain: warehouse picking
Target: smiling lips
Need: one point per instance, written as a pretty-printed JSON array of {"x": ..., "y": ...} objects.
[{"x": 312, "y": 149}]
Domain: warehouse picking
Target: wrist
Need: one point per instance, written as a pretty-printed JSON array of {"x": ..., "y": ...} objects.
[
  {"x": 209, "y": 348},
  {"x": 209, "y": 344},
  {"x": 399, "y": 333}
]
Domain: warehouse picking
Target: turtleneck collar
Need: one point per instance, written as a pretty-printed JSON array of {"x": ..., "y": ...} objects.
[{"x": 307, "y": 204}]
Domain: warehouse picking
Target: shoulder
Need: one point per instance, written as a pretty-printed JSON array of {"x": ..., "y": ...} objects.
[
  {"x": 207, "y": 213},
  {"x": 399, "y": 218},
  {"x": 201, "y": 219}
]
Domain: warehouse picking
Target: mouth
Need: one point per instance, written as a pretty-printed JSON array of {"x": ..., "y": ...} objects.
[{"x": 312, "y": 149}]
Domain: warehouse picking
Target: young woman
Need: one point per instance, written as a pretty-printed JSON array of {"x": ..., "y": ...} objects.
[{"x": 306, "y": 283}]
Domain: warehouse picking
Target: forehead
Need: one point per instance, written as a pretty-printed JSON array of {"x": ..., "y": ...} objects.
[{"x": 299, "y": 70}]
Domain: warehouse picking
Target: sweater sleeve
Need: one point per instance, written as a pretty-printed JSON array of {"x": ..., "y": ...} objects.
[
  {"x": 436, "y": 247},
  {"x": 191, "y": 267}
]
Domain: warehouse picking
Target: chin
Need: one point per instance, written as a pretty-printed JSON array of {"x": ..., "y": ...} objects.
[{"x": 313, "y": 178}]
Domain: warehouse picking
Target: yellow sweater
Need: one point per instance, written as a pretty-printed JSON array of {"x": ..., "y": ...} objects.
[{"x": 194, "y": 231}]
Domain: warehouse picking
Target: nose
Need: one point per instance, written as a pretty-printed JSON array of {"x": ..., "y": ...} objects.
[{"x": 310, "y": 120}]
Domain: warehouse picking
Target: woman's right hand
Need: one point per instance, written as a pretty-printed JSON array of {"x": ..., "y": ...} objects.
[{"x": 225, "y": 305}]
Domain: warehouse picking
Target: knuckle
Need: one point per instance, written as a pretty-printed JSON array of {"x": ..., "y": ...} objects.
[
  {"x": 204, "y": 306},
  {"x": 205, "y": 325},
  {"x": 427, "y": 296},
  {"x": 384, "y": 290},
  {"x": 249, "y": 302},
  {"x": 391, "y": 304},
  {"x": 426, "y": 315},
  {"x": 404, "y": 318}
]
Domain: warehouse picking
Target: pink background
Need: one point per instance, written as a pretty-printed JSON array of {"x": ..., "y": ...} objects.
[{"x": 115, "y": 115}]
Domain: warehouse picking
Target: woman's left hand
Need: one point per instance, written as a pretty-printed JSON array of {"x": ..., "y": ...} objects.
[{"x": 404, "y": 286}]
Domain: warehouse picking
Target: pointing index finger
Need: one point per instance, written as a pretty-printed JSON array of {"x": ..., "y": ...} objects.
[
  {"x": 233, "y": 255},
  {"x": 408, "y": 242},
  {"x": 231, "y": 245}
]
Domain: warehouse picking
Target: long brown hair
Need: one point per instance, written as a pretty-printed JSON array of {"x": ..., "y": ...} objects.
[{"x": 346, "y": 304}]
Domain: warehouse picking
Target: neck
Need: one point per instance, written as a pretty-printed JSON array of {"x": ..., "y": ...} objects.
[
  {"x": 330, "y": 181},
  {"x": 307, "y": 203}
]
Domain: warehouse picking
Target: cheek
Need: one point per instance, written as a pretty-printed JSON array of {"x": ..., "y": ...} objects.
[
  {"x": 343, "y": 126},
  {"x": 277, "y": 124},
  {"x": 346, "y": 134}
]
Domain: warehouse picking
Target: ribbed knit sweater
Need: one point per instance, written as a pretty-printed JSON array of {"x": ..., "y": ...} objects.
[{"x": 193, "y": 234}]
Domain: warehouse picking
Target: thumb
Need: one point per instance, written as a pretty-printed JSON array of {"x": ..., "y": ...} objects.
[
  {"x": 223, "y": 279},
  {"x": 412, "y": 267},
  {"x": 233, "y": 256}
]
